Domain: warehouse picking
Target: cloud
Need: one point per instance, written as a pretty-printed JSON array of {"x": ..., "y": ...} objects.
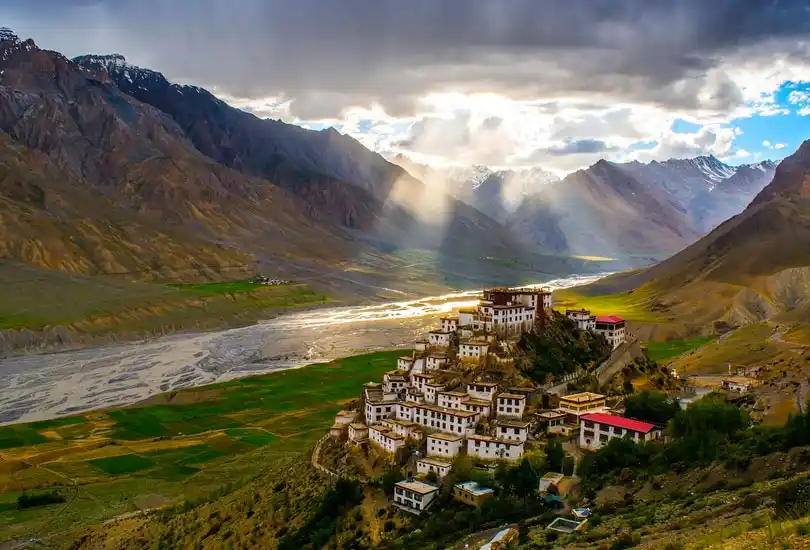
[
  {"x": 768, "y": 145},
  {"x": 333, "y": 55},
  {"x": 560, "y": 82},
  {"x": 582, "y": 146}
]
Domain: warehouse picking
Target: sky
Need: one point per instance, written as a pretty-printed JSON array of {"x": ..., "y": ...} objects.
[{"x": 506, "y": 83}]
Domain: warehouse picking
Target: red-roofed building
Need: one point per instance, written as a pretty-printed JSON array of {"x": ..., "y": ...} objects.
[
  {"x": 613, "y": 328},
  {"x": 596, "y": 429}
]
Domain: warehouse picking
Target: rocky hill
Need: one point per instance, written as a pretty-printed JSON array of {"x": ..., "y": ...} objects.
[
  {"x": 341, "y": 181},
  {"x": 754, "y": 266}
]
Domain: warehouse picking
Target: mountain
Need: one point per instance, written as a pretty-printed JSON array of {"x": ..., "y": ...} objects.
[
  {"x": 754, "y": 266},
  {"x": 685, "y": 199},
  {"x": 709, "y": 190},
  {"x": 604, "y": 210},
  {"x": 496, "y": 193},
  {"x": 341, "y": 181}
]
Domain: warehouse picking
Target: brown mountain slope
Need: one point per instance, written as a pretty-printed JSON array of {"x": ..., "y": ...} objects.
[
  {"x": 754, "y": 266},
  {"x": 117, "y": 150},
  {"x": 606, "y": 211}
]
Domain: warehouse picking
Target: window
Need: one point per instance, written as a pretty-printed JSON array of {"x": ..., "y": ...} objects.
[{"x": 603, "y": 438}]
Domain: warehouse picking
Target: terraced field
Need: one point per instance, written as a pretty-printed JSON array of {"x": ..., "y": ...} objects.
[{"x": 178, "y": 446}]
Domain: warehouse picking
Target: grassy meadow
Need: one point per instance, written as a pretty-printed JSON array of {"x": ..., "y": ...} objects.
[
  {"x": 633, "y": 307},
  {"x": 663, "y": 351},
  {"x": 178, "y": 446},
  {"x": 38, "y": 299}
]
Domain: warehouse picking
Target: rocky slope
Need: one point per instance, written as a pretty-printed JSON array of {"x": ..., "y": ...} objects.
[
  {"x": 754, "y": 266},
  {"x": 339, "y": 179}
]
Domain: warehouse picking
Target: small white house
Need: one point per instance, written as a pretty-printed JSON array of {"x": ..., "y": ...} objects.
[
  {"x": 447, "y": 445},
  {"x": 358, "y": 433},
  {"x": 420, "y": 380},
  {"x": 404, "y": 411},
  {"x": 595, "y": 430},
  {"x": 439, "y": 338},
  {"x": 613, "y": 328},
  {"x": 385, "y": 438},
  {"x": 510, "y": 404},
  {"x": 376, "y": 411},
  {"x": 405, "y": 428},
  {"x": 430, "y": 464},
  {"x": 472, "y": 351},
  {"x": 394, "y": 382},
  {"x": 414, "y": 496},
  {"x": 445, "y": 420},
  {"x": 484, "y": 408},
  {"x": 405, "y": 364},
  {"x": 451, "y": 399},
  {"x": 466, "y": 316},
  {"x": 346, "y": 417},
  {"x": 513, "y": 430},
  {"x": 582, "y": 317},
  {"x": 482, "y": 390},
  {"x": 739, "y": 384},
  {"x": 420, "y": 345},
  {"x": 435, "y": 360},
  {"x": 490, "y": 448},
  {"x": 449, "y": 324},
  {"x": 554, "y": 421},
  {"x": 431, "y": 391}
]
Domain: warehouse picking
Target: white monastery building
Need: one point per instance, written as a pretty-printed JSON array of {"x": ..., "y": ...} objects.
[
  {"x": 447, "y": 445},
  {"x": 435, "y": 360},
  {"x": 358, "y": 433},
  {"x": 512, "y": 430},
  {"x": 414, "y": 496},
  {"x": 378, "y": 410},
  {"x": 385, "y": 438},
  {"x": 482, "y": 390},
  {"x": 582, "y": 317},
  {"x": 449, "y": 324},
  {"x": 484, "y": 408},
  {"x": 429, "y": 464},
  {"x": 490, "y": 448},
  {"x": 472, "y": 351},
  {"x": 445, "y": 420},
  {"x": 432, "y": 390},
  {"x": 510, "y": 404},
  {"x": 439, "y": 338},
  {"x": 452, "y": 399},
  {"x": 612, "y": 328},
  {"x": 597, "y": 429}
]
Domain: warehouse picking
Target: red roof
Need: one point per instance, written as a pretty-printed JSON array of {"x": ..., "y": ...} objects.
[
  {"x": 620, "y": 422},
  {"x": 610, "y": 319}
]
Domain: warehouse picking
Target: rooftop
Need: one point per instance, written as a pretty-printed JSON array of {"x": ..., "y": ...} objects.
[
  {"x": 495, "y": 440},
  {"x": 436, "y": 461},
  {"x": 610, "y": 319},
  {"x": 440, "y": 332},
  {"x": 511, "y": 396},
  {"x": 454, "y": 393},
  {"x": 583, "y": 311},
  {"x": 740, "y": 380},
  {"x": 417, "y": 486},
  {"x": 479, "y": 402},
  {"x": 620, "y": 422},
  {"x": 552, "y": 414},
  {"x": 487, "y": 384},
  {"x": 434, "y": 385},
  {"x": 513, "y": 423},
  {"x": 452, "y": 412},
  {"x": 476, "y": 344},
  {"x": 583, "y": 397},
  {"x": 358, "y": 426},
  {"x": 474, "y": 488},
  {"x": 347, "y": 413},
  {"x": 446, "y": 437}
]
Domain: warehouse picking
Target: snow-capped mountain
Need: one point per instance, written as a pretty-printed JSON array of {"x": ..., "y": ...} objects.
[{"x": 497, "y": 193}]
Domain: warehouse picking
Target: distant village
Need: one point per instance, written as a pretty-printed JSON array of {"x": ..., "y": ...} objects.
[{"x": 424, "y": 403}]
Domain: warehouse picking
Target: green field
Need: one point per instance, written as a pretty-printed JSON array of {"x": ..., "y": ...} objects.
[
  {"x": 661, "y": 351},
  {"x": 221, "y": 287},
  {"x": 37, "y": 299},
  {"x": 633, "y": 307},
  {"x": 183, "y": 445}
]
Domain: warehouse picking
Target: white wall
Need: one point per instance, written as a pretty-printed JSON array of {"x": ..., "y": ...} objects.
[
  {"x": 450, "y": 401},
  {"x": 376, "y": 412},
  {"x": 491, "y": 450},
  {"x": 413, "y": 500},
  {"x": 382, "y": 440},
  {"x": 424, "y": 467},
  {"x": 482, "y": 392},
  {"x": 441, "y": 447},
  {"x": 445, "y": 421},
  {"x": 509, "y": 406},
  {"x": 449, "y": 325},
  {"x": 511, "y": 433},
  {"x": 603, "y": 433}
]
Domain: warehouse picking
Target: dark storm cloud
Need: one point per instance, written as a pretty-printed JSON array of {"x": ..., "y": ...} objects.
[{"x": 328, "y": 54}]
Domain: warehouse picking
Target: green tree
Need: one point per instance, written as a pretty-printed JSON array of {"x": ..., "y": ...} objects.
[
  {"x": 555, "y": 455},
  {"x": 651, "y": 406}
]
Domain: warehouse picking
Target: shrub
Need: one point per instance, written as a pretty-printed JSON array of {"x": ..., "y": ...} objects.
[{"x": 28, "y": 500}]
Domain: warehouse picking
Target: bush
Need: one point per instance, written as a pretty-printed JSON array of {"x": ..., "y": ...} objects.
[{"x": 28, "y": 500}]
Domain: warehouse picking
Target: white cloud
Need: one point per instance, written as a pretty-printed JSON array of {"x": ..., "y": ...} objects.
[
  {"x": 779, "y": 145},
  {"x": 804, "y": 111},
  {"x": 768, "y": 145},
  {"x": 798, "y": 96}
]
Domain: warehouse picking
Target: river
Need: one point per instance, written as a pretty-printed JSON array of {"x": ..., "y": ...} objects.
[{"x": 46, "y": 386}]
